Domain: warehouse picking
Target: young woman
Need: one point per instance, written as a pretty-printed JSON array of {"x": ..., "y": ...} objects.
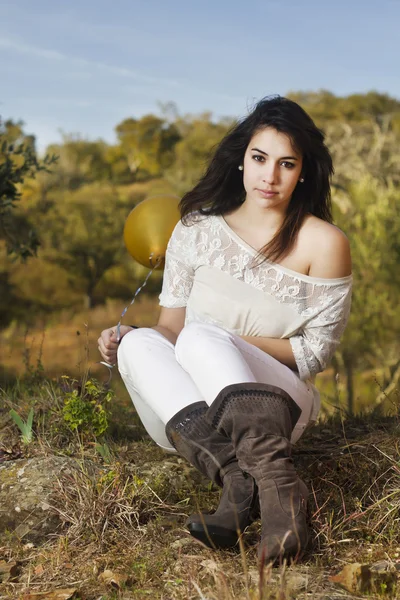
[{"x": 256, "y": 294}]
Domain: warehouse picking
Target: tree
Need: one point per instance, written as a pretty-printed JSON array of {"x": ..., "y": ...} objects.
[
  {"x": 325, "y": 107},
  {"x": 361, "y": 150},
  {"x": 148, "y": 144},
  {"x": 118, "y": 165},
  {"x": 80, "y": 161},
  {"x": 368, "y": 213},
  {"x": 18, "y": 161},
  {"x": 85, "y": 237},
  {"x": 199, "y": 137}
]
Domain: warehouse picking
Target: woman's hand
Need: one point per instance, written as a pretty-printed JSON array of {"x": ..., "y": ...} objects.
[{"x": 108, "y": 344}]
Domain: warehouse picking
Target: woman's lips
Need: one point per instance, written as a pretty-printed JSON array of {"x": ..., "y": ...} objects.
[{"x": 267, "y": 193}]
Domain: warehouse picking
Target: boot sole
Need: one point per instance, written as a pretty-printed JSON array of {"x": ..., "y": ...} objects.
[{"x": 213, "y": 536}]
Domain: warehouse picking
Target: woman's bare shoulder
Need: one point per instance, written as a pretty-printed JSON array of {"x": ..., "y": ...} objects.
[{"x": 329, "y": 249}]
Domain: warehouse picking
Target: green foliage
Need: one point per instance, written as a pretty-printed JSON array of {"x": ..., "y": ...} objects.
[
  {"x": 18, "y": 161},
  {"x": 367, "y": 212},
  {"x": 199, "y": 137},
  {"x": 148, "y": 144},
  {"x": 371, "y": 221},
  {"x": 86, "y": 408},
  {"x": 324, "y": 106},
  {"x": 118, "y": 165},
  {"x": 79, "y": 210},
  {"x": 104, "y": 451},
  {"x": 85, "y": 237},
  {"x": 79, "y": 162},
  {"x": 25, "y": 427}
]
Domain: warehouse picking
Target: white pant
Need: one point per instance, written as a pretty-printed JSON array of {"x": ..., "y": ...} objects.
[{"x": 162, "y": 378}]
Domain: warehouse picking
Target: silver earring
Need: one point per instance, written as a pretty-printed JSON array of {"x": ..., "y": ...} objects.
[
  {"x": 301, "y": 179},
  {"x": 240, "y": 167}
]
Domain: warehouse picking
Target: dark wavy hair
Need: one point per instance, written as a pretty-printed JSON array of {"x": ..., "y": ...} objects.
[{"x": 220, "y": 190}]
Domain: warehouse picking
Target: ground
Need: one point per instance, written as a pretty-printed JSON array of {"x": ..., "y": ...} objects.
[{"x": 122, "y": 531}]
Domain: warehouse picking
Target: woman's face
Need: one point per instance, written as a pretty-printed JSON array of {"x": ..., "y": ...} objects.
[{"x": 271, "y": 169}]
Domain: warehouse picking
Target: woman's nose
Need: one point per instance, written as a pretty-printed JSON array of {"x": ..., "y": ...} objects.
[{"x": 270, "y": 174}]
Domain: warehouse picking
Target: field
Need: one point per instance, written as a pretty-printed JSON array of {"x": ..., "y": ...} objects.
[{"x": 124, "y": 506}]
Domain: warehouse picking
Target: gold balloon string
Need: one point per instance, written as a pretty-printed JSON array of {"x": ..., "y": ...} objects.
[{"x": 158, "y": 260}]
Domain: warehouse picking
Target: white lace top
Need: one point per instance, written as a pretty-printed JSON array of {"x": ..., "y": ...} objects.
[{"x": 213, "y": 273}]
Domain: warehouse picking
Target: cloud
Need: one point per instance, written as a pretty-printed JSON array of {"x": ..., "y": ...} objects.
[
  {"x": 32, "y": 50},
  {"x": 122, "y": 72},
  {"x": 53, "y": 55}
]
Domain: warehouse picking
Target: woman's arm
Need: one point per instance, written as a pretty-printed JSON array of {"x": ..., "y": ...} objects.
[
  {"x": 171, "y": 322},
  {"x": 277, "y": 348},
  {"x": 332, "y": 260}
]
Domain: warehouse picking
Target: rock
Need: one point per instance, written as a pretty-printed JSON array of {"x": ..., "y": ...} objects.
[
  {"x": 114, "y": 579},
  {"x": 26, "y": 487},
  {"x": 8, "y": 571},
  {"x": 385, "y": 566},
  {"x": 211, "y": 565},
  {"x": 181, "y": 543},
  {"x": 358, "y": 578},
  {"x": 296, "y": 582}
]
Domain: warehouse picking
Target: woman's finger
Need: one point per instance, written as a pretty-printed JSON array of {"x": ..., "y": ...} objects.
[{"x": 110, "y": 357}]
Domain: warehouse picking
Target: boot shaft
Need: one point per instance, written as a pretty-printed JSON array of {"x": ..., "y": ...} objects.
[
  {"x": 265, "y": 408},
  {"x": 259, "y": 420},
  {"x": 196, "y": 440}
]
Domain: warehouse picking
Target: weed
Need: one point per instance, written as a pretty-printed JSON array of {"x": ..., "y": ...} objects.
[
  {"x": 86, "y": 407},
  {"x": 25, "y": 427},
  {"x": 104, "y": 451},
  {"x": 33, "y": 372}
]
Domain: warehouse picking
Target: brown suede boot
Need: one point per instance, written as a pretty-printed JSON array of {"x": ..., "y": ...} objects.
[
  {"x": 259, "y": 420},
  {"x": 214, "y": 456}
]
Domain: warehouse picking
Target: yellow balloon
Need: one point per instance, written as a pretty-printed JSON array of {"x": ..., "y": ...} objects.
[{"x": 148, "y": 228}]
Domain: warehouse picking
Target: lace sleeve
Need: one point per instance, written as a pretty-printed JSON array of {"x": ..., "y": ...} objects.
[
  {"x": 315, "y": 345},
  {"x": 179, "y": 270}
]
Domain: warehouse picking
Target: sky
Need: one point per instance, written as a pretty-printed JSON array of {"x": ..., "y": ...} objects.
[{"x": 81, "y": 67}]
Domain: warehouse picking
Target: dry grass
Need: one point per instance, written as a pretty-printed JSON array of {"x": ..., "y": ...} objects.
[
  {"x": 126, "y": 514},
  {"x": 66, "y": 344}
]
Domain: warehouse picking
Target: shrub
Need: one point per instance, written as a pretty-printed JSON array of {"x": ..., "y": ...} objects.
[{"x": 86, "y": 408}]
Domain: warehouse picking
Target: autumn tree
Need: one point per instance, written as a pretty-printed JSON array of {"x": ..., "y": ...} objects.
[
  {"x": 18, "y": 237},
  {"x": 80, "y": 209},
  {"x": 85, "y": 235},
  {"x": 18, "y": 161},
  {"x": 367, "y": 212},
  {"x": 80, "y": 161},
  {"x": 324, "y": 107},
  {"x": 200, "y": 135},
  {"x": 148, "y": 144}
]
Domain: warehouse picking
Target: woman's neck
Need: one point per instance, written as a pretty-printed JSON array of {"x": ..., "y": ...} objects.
[{"x": 257, "y": 219}]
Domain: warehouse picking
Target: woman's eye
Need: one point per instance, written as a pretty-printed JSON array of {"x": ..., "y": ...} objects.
[
  {"x": 258, "y": 158},
  {"x": 287, "y": 165}
]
